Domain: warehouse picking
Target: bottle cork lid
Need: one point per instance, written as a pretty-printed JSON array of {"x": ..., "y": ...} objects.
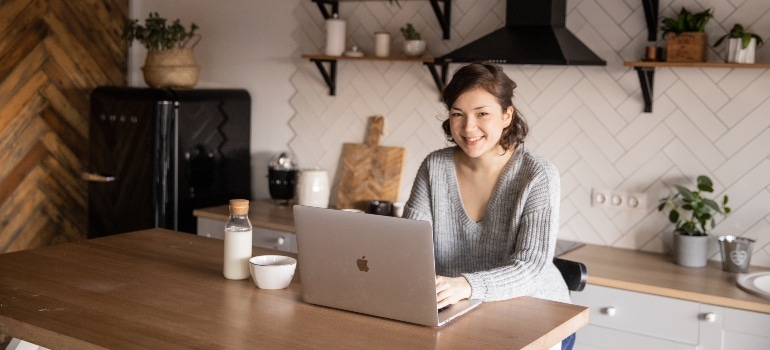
[{"x": 239, "y": 207}]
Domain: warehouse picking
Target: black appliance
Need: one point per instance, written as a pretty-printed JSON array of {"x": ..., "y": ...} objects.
[
  {"x": 534, "y": 33},
  {"x": 155, "y": 155}
]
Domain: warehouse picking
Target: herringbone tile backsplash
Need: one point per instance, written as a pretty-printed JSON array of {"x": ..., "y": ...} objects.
[{"x": 588, "y": 120}]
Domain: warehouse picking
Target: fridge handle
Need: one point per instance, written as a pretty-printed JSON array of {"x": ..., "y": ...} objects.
[{"x": 96, "y": 177}]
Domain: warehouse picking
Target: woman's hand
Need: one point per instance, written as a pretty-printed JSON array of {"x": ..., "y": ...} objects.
[{"x": 450, "y": 290}]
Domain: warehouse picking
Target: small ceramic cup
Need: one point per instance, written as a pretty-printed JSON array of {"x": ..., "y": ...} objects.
[
  {"x": 397, "y": 209},
  {"x": 272, "y": 271}
]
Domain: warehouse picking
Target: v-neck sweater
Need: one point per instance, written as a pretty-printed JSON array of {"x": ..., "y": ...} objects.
[{"x": 509, "y": 253}]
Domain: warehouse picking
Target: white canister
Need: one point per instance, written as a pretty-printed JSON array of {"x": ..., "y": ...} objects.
[
  {"x": 382, "y": 44},
  {"x": 335, "y": 36},
  {"x": 313, "y": 188}
]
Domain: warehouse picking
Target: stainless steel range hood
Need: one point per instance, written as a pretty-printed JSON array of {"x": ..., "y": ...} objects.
[{"x": 534, "y": 33}]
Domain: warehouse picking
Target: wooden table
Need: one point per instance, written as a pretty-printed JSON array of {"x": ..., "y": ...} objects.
[{"x": 160, "y": 289}]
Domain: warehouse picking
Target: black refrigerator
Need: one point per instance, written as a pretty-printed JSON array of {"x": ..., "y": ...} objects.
[{"x": 155, "y": 155}]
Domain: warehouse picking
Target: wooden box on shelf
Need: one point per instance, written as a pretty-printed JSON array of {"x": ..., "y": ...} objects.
[{"x": 686, "y": 47}]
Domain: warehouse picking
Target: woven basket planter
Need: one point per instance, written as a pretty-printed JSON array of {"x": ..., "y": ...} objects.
[{"x": 173, "y": 68}]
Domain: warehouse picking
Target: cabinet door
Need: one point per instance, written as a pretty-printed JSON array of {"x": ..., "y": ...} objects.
[
  {"x": 262, "y": 237},
  {"x": 641, "y": 314},
  {"x": 745, "y": 330}
]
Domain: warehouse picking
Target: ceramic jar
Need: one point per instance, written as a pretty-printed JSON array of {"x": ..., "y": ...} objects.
[{"x": 313, "y": 188}]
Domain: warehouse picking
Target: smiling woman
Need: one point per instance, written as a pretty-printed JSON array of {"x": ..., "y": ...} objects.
[{"x": 493, "y": 204}]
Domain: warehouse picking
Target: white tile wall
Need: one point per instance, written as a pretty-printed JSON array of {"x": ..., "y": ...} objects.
[{"x": 588, "y": 120}]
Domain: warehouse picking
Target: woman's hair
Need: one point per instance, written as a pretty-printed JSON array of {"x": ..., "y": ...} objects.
[{"x": 491, "y": 78}]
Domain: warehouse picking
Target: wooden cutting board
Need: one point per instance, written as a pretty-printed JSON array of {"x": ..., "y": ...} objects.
[{"x": 369, "y": 171}]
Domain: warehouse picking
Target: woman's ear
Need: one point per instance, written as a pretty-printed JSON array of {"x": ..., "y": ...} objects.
[{"x": 508, "y": 116}]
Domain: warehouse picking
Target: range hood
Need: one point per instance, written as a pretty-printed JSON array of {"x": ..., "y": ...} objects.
[{"x": 534, "y": 33}]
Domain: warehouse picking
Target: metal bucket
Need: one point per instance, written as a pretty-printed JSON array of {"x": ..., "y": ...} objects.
[{"x": 736, "y": 253}]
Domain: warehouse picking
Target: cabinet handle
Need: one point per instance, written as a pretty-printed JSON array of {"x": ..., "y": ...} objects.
[
  {"x": 709, "y": 317},
  {"x": 609, "y": 311},
  {"x": 280, "y": 241}
]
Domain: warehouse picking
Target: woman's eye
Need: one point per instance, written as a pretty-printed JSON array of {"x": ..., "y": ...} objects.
[{"x": 455, "y": 114}]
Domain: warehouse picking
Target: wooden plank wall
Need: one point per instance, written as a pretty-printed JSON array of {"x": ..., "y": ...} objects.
[{"x": 52, "y": 54}]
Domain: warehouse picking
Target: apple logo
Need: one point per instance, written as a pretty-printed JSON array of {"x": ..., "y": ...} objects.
[{"x": 363, "y": 264}]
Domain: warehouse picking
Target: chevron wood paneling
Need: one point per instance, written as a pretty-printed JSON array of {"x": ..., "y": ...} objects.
[
  {"x": 52, "y": 54},
  {"x": 587, "y": 120}
]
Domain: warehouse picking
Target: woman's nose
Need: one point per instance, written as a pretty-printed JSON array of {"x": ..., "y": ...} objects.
[{"x": 469, "y": 123}]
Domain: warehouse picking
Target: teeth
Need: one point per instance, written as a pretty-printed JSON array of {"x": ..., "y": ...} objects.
[{"x": 473, "y": 139}]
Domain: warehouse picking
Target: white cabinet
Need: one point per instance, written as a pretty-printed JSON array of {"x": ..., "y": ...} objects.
[
  {"x": 621, "y": 319},
  {"x": 262, "y": 237}
]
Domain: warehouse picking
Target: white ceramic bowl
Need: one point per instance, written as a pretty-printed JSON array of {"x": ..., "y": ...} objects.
[{"x": 272, "y": 271}]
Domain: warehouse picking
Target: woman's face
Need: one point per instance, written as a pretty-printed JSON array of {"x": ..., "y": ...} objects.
[{"x": 476, "y": 122}]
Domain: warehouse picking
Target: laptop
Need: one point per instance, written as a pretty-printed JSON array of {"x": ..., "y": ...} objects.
[{"x": 370, "y": 264}]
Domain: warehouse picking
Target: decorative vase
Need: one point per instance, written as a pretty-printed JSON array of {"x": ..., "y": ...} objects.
[
  {"x": 737, "y": 54},
  {"x": 414, "y": 48},
  {"x": 686, "y": 47},
  {"x": 381, "y": 44},
  {"x": 690, "y": 251}
]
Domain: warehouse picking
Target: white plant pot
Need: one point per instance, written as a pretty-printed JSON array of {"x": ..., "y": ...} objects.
[
  {"x": 737, "y": 54},
  {"x": 414, "y": 48},
  {"x": 691, "y": 251}
]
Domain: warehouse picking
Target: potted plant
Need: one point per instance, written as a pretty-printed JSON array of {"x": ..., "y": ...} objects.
[
  {"x": 741, "y": 46},
  {"x": 414, "y": 46},
  {"x": 693, "y": 216},
  {"x": 685, "y": 36},
  {"x": 170, "y": 60}
]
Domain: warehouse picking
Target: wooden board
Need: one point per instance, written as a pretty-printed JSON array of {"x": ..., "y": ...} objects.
[{"x": 369, "y": 171}]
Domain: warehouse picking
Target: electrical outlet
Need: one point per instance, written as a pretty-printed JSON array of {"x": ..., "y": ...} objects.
[{"x": 617, "y": 199}]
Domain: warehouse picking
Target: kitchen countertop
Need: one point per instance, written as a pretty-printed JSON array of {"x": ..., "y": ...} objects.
[
  {"x": 262, "y": 213},
  {"x": 633, "y": 270},
  {"x": 656, "y": 273}
]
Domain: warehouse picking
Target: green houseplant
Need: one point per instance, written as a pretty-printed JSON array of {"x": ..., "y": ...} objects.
[
  {"x": 413, "y": 44},
  {"x": 742, "y": 45},
  {"x": 170, "y": 60},
  {"x": 693, "y": 215},
  {"x": 685, "y": 35},
  {"x": 156, "y": 34}
]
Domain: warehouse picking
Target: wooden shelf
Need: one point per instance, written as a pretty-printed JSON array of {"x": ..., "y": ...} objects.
[
  {"x": 653, "y": 64},
  {"x": 422, "y": 59},
  {"x": 330, "y": 75},
  {"x": 646, "y": 72}
]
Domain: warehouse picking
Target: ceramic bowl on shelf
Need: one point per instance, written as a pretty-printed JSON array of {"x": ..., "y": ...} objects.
[{"x": 414, "y": 48}]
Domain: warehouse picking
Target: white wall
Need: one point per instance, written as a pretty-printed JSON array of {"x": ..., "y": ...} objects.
[{"x": 588, "y": 120}]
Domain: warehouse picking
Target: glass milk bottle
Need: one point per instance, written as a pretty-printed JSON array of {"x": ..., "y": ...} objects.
[{"x": 237, "y": 241}]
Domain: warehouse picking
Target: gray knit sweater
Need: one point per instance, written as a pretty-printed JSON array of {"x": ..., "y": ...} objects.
[{"x": 507, "y": 254}]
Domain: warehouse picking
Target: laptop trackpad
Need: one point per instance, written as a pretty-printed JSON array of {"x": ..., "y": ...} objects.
[{"x": 456, "y": 310}]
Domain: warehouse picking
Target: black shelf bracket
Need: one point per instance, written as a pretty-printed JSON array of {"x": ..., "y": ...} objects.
[
  {"x": 443, "y": 15},
  {"x": 646, "y": 76},
  {"x": 335, "y": 7},
  {"x": 330, "y": 76},
  {"x": 444, "y": 18},
  {"x": 439, "y": 79},
  {"x": 651, "y": 15}
]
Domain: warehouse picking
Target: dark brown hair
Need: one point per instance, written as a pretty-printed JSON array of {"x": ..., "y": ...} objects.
[{"x": 491, "y": 78}]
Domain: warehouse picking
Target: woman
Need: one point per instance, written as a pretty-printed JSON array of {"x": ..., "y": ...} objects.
[{"x": 493, "y": 203}]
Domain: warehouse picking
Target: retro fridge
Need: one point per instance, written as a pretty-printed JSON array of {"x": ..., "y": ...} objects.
[{"x": 155, "y": 155}]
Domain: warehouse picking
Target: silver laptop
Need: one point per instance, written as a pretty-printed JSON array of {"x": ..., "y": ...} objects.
[{"x": 370, "y": 264}]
